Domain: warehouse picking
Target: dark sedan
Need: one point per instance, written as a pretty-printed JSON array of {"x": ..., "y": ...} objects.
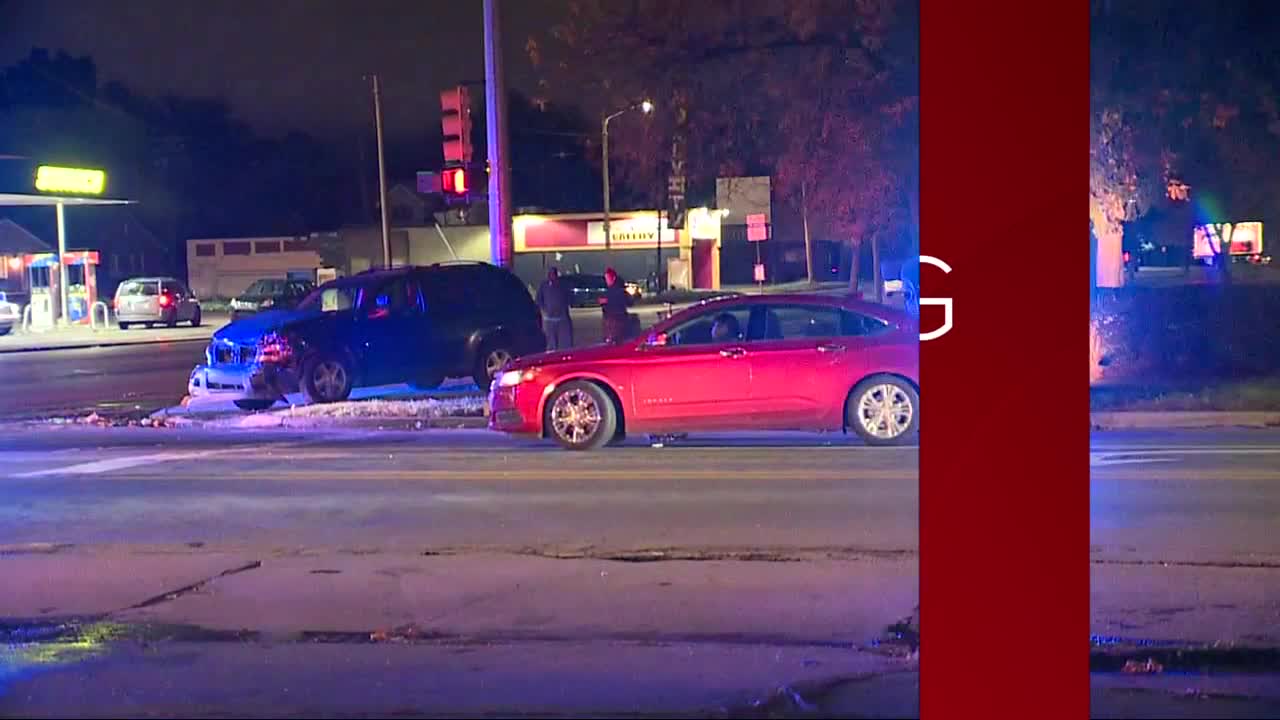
[{"x": 270, "y": 294}]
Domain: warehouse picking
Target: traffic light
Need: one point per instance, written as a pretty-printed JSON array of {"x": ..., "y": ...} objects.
[
  {"x": 455, "y": 122},
  {"x": 453, "y": 182}
]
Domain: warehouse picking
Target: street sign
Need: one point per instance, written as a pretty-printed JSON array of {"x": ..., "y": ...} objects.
[
  {"x": 759, "y": 272},
  {"x": 757, "y": 233},
  {"x": 756, "y": 219},
  {"x": 677, "y": 206}
]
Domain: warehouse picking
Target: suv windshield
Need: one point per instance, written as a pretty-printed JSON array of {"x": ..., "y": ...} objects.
[{"x": 140, "y": 287}]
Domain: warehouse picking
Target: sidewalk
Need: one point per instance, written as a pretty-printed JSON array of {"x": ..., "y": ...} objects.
[{"x": 111, "y": 336}]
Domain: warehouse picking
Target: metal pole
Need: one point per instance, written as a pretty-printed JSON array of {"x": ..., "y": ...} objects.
[
  {"x": 604, "y": 149},
  {"x": 495, "y": 96},
  {"x": 657, "y": 280},
  {"x": 382, "y": 174},
  {"x": 808, "y": 243},
  {"x": 62, "y": 254}
]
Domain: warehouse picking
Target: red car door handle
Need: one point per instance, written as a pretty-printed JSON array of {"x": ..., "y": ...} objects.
[
  {"x": 830, "y": 348},
  {"x": 733, "y": 352}
]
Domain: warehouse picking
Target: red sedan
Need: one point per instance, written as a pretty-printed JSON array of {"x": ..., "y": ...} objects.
[{"x": 763, "y": 362}]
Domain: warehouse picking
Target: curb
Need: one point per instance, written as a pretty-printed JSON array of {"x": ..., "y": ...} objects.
[
  {"x": 465, "y": 422},
  {"x": 1127, "y": 420},
  {"x": 95, "y": 345}
]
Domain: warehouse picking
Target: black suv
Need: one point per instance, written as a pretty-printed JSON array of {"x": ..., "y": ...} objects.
[{"x": 417, "y": 325}]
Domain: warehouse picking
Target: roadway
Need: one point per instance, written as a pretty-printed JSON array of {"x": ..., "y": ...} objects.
[
  {"x": 1185, "y": 571},
  {"x": 449, "y": 571}
]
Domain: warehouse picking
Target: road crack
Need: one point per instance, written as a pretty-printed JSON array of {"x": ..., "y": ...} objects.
[{"x": 193, "y": 587}]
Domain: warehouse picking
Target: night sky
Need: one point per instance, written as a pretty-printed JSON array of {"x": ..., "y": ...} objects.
[{"x": 285, "y": 64}]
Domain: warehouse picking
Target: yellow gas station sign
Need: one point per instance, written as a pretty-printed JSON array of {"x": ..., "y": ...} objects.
[{"x": 80, "y": 181}]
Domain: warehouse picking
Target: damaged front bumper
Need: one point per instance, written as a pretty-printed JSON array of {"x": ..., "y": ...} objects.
[{"x": 241, "y": 382}]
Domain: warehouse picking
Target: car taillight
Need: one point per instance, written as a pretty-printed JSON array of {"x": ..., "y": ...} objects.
[
  {"x": 274, "y": 349},
  {"x": 165, "y": 300}
]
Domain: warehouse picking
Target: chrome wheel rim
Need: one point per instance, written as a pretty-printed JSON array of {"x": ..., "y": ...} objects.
[
  {"x": 494, "y": 362},
  {"x": 329, "y": 379},
  {"x": 885, "y": 411},
  {"x": 575, "y": 416}
]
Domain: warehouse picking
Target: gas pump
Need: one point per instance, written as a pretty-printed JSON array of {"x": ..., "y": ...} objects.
[
  {"x": 81, "y": 267},
  {"x": 45, "y": 278}
]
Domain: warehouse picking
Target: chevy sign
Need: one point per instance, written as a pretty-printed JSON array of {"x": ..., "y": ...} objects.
[{"x": 78, "y": 181}]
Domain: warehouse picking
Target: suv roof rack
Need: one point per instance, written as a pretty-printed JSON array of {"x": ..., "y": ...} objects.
[{"x": 447, "y": 263}]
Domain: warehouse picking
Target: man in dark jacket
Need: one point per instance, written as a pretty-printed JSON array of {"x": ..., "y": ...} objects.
[
  {"x": 614, "y": 305},
  {"x": 553, "y": 301}
]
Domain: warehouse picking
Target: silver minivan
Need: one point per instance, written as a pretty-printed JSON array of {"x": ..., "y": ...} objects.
[{"x": 155, "y": 301}]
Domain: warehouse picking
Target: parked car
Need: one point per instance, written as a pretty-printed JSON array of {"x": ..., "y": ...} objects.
[
  {"x": 10, "y": 315},
  {"x": 417, "y": 325},
  {"x": 269, "y": 294},
  {"x": 781, "y": 362},
  {"x": 155, "y": 301},
  {"x": 586, "y": 290}
]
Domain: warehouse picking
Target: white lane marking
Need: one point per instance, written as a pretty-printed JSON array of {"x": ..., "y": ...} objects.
[
  {"x": 1187, "y": 449},
  {"x": 97, "y": 467},
  {"x": 1105, "y": 459}
]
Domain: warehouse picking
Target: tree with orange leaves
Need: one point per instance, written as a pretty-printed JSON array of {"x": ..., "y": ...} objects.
[{"x": 818, "y": 94}]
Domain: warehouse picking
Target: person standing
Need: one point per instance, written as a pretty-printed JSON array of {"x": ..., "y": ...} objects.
[
  {"x": 911, "y": 286},
  {"x": 614, "y": 306},
  {"x": 553, "y": 301}
]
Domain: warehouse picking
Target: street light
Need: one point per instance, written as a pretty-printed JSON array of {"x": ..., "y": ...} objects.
[{"x": 646, "y": 107}]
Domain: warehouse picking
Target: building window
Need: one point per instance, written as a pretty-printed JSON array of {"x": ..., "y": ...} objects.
[
  {"x": 235, "y": 248},
  {"x": 266, "y": 246},
  {"x": 295, "y": 246},
  {"x": 206, "y": 250},
  {"x": 115, "y": 263}
]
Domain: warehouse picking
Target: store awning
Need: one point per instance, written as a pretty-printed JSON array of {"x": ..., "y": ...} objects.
[{"x": 29, "y": 200}]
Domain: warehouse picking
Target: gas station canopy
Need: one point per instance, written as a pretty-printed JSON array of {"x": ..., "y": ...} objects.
[{"x": 25, "y": 199}]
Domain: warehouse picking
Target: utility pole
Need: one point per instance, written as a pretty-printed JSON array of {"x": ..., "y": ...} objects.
[
  {"x": 495, "y": 110},
  {"x": 808, "y": 243},
  {"x": 382, "y": 173},
  {"x": 604, "y": 166},
  {"x": 63, "y": 268}
]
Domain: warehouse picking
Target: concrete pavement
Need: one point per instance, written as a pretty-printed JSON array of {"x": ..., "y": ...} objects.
[
  {"x": 452, "y": 572},
  {"x": 1185, "y": 572}
]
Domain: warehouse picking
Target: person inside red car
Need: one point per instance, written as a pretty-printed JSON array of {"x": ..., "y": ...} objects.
[{"x": 725, "y": 328}]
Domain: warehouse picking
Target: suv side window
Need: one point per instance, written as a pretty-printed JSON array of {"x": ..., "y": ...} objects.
[
  {"x": 393, "y": 297},
  {"x": 446, "y": 293}
]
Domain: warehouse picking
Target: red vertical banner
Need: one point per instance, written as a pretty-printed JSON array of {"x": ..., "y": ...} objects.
[{"x": 1004, "y": 476}]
